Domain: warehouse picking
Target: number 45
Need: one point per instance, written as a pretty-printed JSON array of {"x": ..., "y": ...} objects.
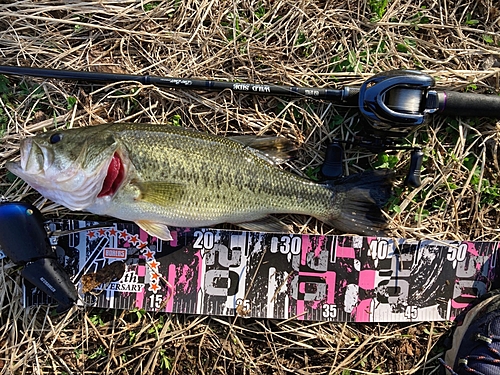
[{"x": 411, "y": 312}]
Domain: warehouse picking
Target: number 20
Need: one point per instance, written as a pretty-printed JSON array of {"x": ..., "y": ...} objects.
[{"x": 203, "y": 240}]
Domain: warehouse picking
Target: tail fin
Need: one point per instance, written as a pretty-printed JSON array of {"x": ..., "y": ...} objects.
[{"x": 357, "y": 202}]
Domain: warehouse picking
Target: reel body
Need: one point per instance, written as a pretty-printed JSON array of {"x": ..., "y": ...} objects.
[
  {"x": 394, "y": 104},
  {"x": 397, "y": 102}
]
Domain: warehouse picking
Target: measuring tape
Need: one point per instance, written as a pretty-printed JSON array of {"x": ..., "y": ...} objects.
[{"x": 276, "y": 276}]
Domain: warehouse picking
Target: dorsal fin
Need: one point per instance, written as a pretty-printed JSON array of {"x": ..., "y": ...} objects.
[{"x": 276, "y": 150}]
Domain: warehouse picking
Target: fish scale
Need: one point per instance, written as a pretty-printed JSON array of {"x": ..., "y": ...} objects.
[
  {"x": 224, "y": 173},
  {"x": 158, "y": 175}
]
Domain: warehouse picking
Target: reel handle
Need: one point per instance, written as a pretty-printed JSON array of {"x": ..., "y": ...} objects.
[
  {"x": 413, "y": 176},
  {"x": 332, "y": 168}
]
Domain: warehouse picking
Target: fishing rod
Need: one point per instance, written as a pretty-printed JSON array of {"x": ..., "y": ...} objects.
[{"x": 394, "y": 102}]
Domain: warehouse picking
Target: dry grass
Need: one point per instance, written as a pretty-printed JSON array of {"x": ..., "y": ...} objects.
[{"x": 309, "y": 43}]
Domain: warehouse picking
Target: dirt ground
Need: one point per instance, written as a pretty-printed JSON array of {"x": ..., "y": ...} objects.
[{"x": 320, "y": 44}]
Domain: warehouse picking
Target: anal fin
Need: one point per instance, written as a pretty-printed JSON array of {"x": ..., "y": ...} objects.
[{"x": 266, "y": 224}]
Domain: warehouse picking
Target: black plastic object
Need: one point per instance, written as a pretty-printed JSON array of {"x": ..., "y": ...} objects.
[
  {"x": 48, "y": 275},
  {"x": 469, "y": 104},
  {"x": 22, "y": 234},
  {"x": 376, "y": 94},
  {"x": 332, "y": 165},
  {"x": 413, "y": 177},
  {"x": 24, "y": 240}
]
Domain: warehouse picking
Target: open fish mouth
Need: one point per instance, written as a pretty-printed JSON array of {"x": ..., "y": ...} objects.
[{"x": 114, "y": 177}]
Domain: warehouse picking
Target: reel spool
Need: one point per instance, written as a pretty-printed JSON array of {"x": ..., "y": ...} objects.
[{"x": 398, "y": 101}]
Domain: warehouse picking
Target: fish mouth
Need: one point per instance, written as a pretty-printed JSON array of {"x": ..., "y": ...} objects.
[
  {"x": 32, "y": 157},
  {"x": 34, "y": 160},
  {"x": 114, "y": 177}
]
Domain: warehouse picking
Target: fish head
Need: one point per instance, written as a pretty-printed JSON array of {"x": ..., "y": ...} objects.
[{"x": 69, "y": 167}]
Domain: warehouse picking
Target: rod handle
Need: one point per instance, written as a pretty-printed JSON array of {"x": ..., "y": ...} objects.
[{"x": 469, "y": 104}]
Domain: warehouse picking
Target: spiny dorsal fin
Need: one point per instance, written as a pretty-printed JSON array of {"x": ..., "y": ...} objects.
[{"x": 276, "y": 150}]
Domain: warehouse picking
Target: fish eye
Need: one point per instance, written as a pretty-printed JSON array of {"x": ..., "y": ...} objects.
[{"x": 54, "y": 138}]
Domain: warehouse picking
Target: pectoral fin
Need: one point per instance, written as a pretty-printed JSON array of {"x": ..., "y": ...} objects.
[
  {"x": 155, "y": 229},
  {"x": 161, "y": 193},
  {"x": 266, "y": 224}
]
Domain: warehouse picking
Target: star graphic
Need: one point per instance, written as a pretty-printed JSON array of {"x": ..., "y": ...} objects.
[
  {"x": 142, "y": 245},
  {"x": 155, "y": 277},
  {"x": 154, "y": 288},
  {"x": 123, "y": 234},
  {"x": 102, "y": 232},
  {"x": 112, "y": 232},
  {"x": 91, "y": 234},
  {"x": 134, "y": 240},
  {"x": 149, "y": 254},
  {"x": 154, "y": 264}
]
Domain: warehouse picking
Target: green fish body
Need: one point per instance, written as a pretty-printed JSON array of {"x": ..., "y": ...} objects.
[{"x": 159, "y": 176}]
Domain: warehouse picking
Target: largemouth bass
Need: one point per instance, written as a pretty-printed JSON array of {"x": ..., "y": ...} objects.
[{"x": 159, "y": 176}]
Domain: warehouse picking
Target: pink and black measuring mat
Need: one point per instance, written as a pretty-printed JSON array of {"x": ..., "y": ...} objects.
[{"x": 276, "y": 276}]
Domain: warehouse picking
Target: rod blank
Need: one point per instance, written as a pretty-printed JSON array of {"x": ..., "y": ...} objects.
[{"x": 347, "y": 95}]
